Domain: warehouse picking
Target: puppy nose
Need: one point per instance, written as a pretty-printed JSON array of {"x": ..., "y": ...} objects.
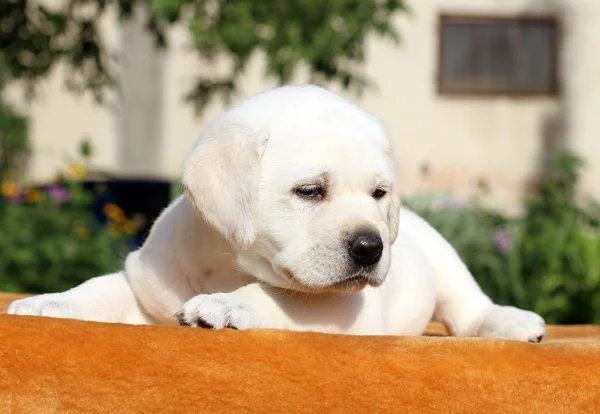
[{"x": 366, "y": 249}]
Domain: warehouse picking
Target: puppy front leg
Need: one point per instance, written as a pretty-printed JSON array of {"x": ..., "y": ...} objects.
[
  {"x": 251, "y": 306},
  {"x": 107, "y": 298},
  {"x": 461, "y": 305},
  {"x": 467, "y": 311}
]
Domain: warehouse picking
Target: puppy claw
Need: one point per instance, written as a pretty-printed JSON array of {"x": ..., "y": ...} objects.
[
  {"x": 537, "y": 339},
  {"x": 198, "y": 322},
  {"x": 201, "y": 323},
  {"x": 179, "y": 316},
  {"x": 216, "y": 311}
]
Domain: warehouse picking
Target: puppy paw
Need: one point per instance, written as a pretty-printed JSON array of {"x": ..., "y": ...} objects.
[
  {"x": 511, "y": 323},
  {"x": 52, "y": 305},
  {"x": 217, "y": 311}
]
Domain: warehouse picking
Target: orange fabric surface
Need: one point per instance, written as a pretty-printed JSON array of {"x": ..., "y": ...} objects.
[{"x": 51, "y": 365}]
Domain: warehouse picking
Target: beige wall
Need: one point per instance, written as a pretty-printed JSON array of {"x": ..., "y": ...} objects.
[
  {"x": 463, "y": 139},
  {"x": 582, "y": 86},
  {"x": 59, "y": 120}
]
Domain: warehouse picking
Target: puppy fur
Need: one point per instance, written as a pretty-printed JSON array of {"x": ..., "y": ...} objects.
[{"x": 279, "y": 191}]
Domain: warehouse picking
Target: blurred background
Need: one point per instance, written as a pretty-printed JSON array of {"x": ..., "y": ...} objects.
[{"x": 492, "y": 107}]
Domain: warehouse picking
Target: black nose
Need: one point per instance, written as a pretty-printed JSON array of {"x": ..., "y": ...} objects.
[{"x": 366, "y": 249}]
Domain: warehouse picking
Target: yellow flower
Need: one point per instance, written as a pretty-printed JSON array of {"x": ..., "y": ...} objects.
[
  {"x": 114, "y": 212},
  {"x": 130, "y": 226},
  {"x": 75, "y": 171},
  {"x": 82, "y": 232},
  {"x": 33, "y": 195},
  {"x": 10, "y": 189},
  {"x": 113, "y": 231}
]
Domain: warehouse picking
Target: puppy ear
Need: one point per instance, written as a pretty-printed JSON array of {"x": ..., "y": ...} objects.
[
  {"x": 394, "y": 213},
  {"x": 395, "y": 200},
  {"x": 221, "y": 179}
]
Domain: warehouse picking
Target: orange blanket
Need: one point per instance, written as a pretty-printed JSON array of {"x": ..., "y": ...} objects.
[{"x": 51, "y": 365}]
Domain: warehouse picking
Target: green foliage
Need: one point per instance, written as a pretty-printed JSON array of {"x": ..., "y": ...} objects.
[
  {"x": 14, "y": 140},
  {"x": 34, "y": 37},
  {"x": 547, "y": 260},
  {"x": 327, "y": 37},
  {"x": 45, "y": 247},
  {"x": 50, "y": 240}
]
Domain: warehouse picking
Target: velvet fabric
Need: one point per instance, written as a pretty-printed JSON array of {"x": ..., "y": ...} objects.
[{"x": 52, "y": 365}]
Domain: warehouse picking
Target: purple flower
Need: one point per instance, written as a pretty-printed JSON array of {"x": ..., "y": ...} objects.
[
  {"x": 59, "y": 194},
  {"x": 502, "y": 241},
  {"x": 17, "y": 199},
  {"x": 448, "y": 206}
]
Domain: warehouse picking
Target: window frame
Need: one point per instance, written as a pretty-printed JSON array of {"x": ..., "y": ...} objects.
[{"x": 449, "y": 90}]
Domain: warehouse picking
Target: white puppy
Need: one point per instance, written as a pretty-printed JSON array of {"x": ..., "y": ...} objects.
[{"x": 292, "y": 220}]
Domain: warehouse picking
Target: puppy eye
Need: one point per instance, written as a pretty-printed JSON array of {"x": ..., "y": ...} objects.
[
  {"x": 378, "y": 194},
  {"x": 310, "y": 192}
]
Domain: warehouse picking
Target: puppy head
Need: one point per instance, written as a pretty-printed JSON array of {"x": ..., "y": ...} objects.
[{"x": 303, "y": 185}]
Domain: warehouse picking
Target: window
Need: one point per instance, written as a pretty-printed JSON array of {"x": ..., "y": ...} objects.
[{"x": 501, "y": 56}]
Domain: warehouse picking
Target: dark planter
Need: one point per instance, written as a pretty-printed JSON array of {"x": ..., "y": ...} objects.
[{"x": 147, "y": 197}]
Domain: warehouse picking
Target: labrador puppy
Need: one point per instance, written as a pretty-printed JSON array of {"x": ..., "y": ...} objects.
[{"x": 291, "y": 219}]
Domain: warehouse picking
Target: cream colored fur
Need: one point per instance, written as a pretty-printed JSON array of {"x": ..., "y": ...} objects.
[{"x": 242, "y": 249}]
